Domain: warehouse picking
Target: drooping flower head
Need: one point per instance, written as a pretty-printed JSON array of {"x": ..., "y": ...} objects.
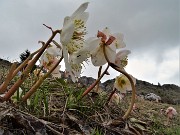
[
  {"x": 123, "y": 84},
  {"x": 111, "y": 42}
]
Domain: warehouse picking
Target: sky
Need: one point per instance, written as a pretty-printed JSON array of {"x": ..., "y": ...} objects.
[{"x": 151, "y": 30}]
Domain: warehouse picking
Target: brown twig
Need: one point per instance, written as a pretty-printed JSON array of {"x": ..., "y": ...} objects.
[{"x": 48, "y": 27}]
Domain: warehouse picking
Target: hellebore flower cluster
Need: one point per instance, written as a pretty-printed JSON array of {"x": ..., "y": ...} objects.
[
  {"x": 76, "y": 49},
  {"x": 104, "y": 48}
]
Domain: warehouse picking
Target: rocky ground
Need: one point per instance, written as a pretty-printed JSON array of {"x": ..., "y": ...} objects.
[{"x": 56, "y": 108}]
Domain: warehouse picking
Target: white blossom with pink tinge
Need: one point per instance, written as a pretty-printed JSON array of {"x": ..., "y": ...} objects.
[
  {"x": 116, "y": 97},
  {"x": 112, "y": 41},
  {"x": 170, "y": 112}
]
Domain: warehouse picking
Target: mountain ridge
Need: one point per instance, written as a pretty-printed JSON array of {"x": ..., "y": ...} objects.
[{"x": 169, "y": 93}]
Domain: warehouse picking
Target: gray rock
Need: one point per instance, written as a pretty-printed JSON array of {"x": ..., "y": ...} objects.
[{"x": 152, "y": 97}]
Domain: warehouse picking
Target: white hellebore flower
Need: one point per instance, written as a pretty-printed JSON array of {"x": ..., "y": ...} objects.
[
  {"x": 49, "y": 59},
  {"x": 46, "y": 60},
  {"x": 72, "y": 38},
  {"x": 170, "y": 112},
  {"x": 123, "y": 84},
  {"x": 116, "y": 97},
  {"x": 112, "y": 42},
  {"x": 55, "y": 73}
]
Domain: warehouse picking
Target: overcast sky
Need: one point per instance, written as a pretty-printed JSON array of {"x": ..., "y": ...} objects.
[{"x": 151, "y": 31}]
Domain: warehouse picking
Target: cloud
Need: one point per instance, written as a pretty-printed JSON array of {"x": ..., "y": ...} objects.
[
  {"x": 168, "y": 69},
  {"x": 150, "y": 29},
  {"x": 144, "y": 66}
]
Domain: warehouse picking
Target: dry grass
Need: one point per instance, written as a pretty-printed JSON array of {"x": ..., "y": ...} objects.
[{"x": 59, "y": 102}]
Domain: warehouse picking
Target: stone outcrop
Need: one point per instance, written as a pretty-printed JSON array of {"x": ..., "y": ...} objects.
[{"x": 152, "y": 97}]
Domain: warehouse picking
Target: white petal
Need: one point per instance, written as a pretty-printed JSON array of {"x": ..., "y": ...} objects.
[
  {"x": 119, "y": 43},
  {"x": 66, "y": 60},
  {"x": 67, "y": 20},
  {"x": 111, "y": 54},
  {"x": 79, "y": 57},
  {"x": 91, "y": 44},
  {"x": 81, "y": 9},
  {"x": 106, "y": 31},
  {"x": 84, "y": 17},
  {"x": 116, "y": 98},
  {"x": 97, "y": 57},
  {"x": 76, "y": 69},
  {"x": 72, "y": 76},
  {"x": 53, "y": 50},
  {"x": 122, "y": 54},
  {"x": 67, "y": 31}
]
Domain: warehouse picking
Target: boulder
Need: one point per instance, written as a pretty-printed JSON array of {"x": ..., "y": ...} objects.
[{"x": 152, "y": 97}]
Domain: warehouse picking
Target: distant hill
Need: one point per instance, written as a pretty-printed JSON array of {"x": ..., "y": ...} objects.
[
  {"x": 169, "y": 93},
  {"x": 4, "y": 63}
]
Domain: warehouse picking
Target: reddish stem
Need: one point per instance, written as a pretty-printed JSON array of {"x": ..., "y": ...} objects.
[
  {"x": 99, "y": 73},
  {"x": 130, "y": 79},
  {"x": 110, "y": 96},
  {"x": 95, "y": 83},
  {"x": 39, "y": 82},
  {"x": 4, "y": 85},
  {"x": 28, "y": 68}
]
